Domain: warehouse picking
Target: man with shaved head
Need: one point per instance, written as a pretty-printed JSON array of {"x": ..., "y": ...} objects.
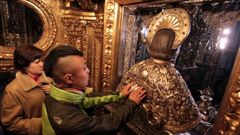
[{"x": 64, "y": 108}]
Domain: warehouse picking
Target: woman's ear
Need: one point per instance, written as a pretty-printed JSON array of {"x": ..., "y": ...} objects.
[{"x": 68, "y": 78}]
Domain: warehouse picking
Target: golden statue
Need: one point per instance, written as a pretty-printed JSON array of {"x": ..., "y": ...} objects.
[{"x": 169, "y": 104}]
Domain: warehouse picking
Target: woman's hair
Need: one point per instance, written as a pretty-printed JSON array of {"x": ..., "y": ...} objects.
[
  {"x": 24, "y": 55},
  {"x": 160, "y": 49}
]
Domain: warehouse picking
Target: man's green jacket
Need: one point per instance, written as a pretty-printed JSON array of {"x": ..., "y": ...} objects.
[{"x": 63, "y": 114}]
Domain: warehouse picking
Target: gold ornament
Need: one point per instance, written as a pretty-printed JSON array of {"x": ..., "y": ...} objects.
[{"x": 176, "y": 19}]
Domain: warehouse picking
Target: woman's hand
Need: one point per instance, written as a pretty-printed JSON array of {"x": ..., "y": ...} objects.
[{"x": 46, "y": 88}]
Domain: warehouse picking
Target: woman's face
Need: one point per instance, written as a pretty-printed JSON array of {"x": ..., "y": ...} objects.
[{"x": 35, "y": 67}]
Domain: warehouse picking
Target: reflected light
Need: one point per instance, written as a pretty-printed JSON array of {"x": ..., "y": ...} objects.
[
  {"x": 226, "y": 31},
  {"x": 144, "y": 31},
  {"x": 223, "y": 42}
]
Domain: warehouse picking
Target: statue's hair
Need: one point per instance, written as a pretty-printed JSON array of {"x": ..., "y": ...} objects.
[{"x": 162, "y": 51}]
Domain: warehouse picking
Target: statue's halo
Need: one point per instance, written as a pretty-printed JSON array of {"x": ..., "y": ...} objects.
[{"x": 176, "y": 19}]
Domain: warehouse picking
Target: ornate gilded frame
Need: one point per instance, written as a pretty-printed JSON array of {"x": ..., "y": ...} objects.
[
  {"x": 48, "y": 36},
  {"x": 228, "y": 119},
  {"x": 113, "y": 15},
  {"x": 85, "y": 31}
]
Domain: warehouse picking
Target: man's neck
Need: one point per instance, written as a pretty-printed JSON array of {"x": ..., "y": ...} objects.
[
  {"x": 74, "y": 90},
  {"x": 70, "y": 88}
]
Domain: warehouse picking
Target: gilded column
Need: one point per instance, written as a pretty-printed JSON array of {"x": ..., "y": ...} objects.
[
  {"x": 228, "y": 119},
  {"x": 109, "y": 46}
]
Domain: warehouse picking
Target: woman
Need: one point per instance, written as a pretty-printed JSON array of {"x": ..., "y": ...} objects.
[{"x": 23, "y": 97}]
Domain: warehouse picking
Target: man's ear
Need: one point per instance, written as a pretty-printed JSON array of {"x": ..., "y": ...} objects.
[{"x": 68, "y": 78}]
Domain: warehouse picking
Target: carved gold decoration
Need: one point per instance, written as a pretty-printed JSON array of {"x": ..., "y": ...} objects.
[
  {"x": 48, "y": 35},
  {"x": 75, "y": 32},
  {"x": 148, "y": 2},
  {"x": 86, "y": 4},
  {"x": 127, "y": 2},
  {"x": 6, "y": 52},
  {"x": 5, "y": 65},
  {"x": 232, "y": 116},
  {"x": 48, "y": 20},
  {"x": 229, "y": 125},
  {"x": 97, "y": 60},
  {"x": 228, "y": 119},
  {"x": 109, "y": 62},
  {"x": 169, "y": 103},
  {"x": 176, "y": 19},
  {"x": 68, "y": 3},
  {"x": 85, "y": 31},
  {"x": 95, "y": 46}
]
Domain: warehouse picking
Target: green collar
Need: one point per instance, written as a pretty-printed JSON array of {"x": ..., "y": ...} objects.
[{"x": 65, "y": 96}]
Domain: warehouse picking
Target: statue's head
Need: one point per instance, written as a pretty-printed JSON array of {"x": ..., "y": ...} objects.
[{"x": 161, "y": 47}]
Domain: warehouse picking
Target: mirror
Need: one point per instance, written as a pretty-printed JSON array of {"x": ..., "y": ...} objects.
[
  {"x": 19, "y": 24},
  {"x": 32, "y": 23},
  {"x": 205, "y": 59}
]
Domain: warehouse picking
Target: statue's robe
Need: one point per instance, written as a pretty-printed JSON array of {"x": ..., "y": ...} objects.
[{"x": 169, "y": 104}]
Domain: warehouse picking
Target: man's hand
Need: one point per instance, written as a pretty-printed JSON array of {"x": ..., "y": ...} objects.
[
  {"x": 126, "y": 89},
  {"x": 137, "y": 95}
]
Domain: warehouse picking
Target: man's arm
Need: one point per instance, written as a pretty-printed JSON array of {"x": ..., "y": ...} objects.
[
  {"x": 93, "y": 101},
  {"x": 71, "y": 119},
  {"x": 76, "y": 121}
]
